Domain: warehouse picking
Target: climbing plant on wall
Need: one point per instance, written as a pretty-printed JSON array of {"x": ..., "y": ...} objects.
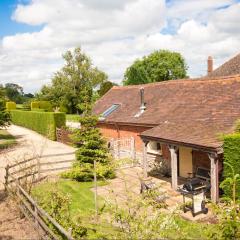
[{"x": 231, "y": 161}]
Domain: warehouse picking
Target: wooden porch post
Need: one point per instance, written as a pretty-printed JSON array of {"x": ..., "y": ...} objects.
[
  {"x": 214, "y": 176},
  {"x": 144, "y": 160},
  {"x": 173, "y": 151}
]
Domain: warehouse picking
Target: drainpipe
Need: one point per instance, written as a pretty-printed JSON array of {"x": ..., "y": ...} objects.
[{"x": 117, "y": 128}]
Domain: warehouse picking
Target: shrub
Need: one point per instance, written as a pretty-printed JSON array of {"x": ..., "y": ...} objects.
[
  {"x": 44, "y": 123},
  {"x": 57, "y": 205},
  {"x": 4, "y": 115},
  {"x": 47, "y": 106},
  {"x": 84, "y": 173},
  {"x": 10, "y": 106},
  {"x": 231, "y": 149},
  {"x": 63, "y": 109},
  {"x": 34, "y": 105}
]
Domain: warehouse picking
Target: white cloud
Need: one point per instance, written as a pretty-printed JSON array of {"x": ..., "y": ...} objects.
[{"x": 115, "y": 33}]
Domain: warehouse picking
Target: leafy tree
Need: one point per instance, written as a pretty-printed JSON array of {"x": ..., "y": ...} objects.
[
  {"x": 105, "y": 87},
  {"x": 159, "y": 66},
  {"x": 4, "y": 116},
  {"x": 91, "y": 146},
  {"x": 72, "y": 86},
  {"x": 14, "y": 92}
]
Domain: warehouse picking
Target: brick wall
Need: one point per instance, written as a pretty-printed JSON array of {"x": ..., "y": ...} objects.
[
  {"x": 113, "y": 131},
  {"x": 200, "y": 159}
]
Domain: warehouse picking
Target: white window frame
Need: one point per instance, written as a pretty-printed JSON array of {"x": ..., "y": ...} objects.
[{"x": 152, "y": 148}]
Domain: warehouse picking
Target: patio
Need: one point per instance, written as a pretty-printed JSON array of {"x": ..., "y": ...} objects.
[{"x": 128, "y": 182}]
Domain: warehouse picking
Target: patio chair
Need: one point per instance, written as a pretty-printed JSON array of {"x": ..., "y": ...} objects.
[{"x": 148, "y": 186}]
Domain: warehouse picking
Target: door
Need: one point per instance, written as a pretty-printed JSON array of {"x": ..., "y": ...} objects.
[{"x": 185, "y": 161}]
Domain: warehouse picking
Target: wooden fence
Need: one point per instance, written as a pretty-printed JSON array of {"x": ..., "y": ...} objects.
[
  {"x": 63, "y": 136},
  {"x": 36, "y": 215},
  {"x": 124, "y": 153}
]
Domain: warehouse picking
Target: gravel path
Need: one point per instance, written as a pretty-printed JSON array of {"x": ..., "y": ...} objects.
[{"x": 30, "y": 144}]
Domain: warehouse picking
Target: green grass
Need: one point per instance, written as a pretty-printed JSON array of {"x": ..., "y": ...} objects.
[
  {"x": 20, "y": 106},
  {"x": 82, "y": 198},
  {"x": 6, "y": 139},
  {"x": 82, "y": 203},
  {"x": 72, "y": 117}
]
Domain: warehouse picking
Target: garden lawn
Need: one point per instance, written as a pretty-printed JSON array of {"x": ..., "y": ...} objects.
[
  {"x": 81, "y": 195},
  {"x": 72, "y": 117},
  {"x": 6, "y": 139},
  {"x": 82, "y": 203}
]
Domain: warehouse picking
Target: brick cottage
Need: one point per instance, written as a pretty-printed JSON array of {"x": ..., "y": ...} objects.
[{"x": 179, "y": 122}]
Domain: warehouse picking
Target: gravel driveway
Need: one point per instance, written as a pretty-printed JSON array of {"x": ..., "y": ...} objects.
[{"x": 32, "y": 144}]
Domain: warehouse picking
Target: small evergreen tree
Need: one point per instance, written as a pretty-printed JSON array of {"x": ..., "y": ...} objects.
[{"x": 91, "y": 146}]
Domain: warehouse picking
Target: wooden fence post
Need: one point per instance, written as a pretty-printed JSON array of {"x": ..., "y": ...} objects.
[
  {"x": 6, "y": 177},
  {"x": 95, "y": 188}
]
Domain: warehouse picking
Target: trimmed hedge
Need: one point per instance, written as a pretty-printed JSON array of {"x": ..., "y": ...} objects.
[
  {"x": 231, "y": 148},
  {"x": 38, "y": 110},
  {"x": 44, "y": 123},
  {"x": 11, "y": 106},
  {"x": 41, "y": 105}
]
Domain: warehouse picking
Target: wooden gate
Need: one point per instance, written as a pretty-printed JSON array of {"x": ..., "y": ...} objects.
[{"x": 124, "y": 152}]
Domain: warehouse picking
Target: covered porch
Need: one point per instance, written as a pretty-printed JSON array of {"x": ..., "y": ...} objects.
[{"x": 185, "y": 162}]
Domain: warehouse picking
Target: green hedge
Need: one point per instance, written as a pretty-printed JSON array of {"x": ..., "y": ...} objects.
[
  {"x": 231, "y": 148},
  {"x": 44, "y": 123},
  {"x": 10, "y": 106},
  {"x": 38, "y": 110},
  {"x": 41, "y": 105}
]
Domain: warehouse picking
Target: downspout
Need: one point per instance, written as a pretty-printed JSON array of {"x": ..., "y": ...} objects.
[{"x": 117, "y": 128}]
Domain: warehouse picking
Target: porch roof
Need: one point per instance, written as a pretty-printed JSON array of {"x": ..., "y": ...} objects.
[{"x": 204, "y": 134}]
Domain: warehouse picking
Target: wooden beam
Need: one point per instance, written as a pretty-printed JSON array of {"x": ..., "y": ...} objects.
[
  {"x": 214, "y": 176},
  {"x": 173, "y": 151},
  {"x": 144, "y": 159}
]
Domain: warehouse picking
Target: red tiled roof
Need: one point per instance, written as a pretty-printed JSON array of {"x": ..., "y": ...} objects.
[
  {"x": 192, "y": 111},
  {"x": 229, "y": 68}
]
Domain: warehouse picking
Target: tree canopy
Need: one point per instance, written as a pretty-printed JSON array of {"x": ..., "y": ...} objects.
[
  {"x": 4, "y": 116},
  {"x": 105, "y": 87},
  {"x": 14, "y": 92},
  {"x": 159, "y": 66},
  {"x": 72, "y": 86}
]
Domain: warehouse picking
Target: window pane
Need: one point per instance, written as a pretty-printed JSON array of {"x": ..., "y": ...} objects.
[{"x": 110, "y": 110}]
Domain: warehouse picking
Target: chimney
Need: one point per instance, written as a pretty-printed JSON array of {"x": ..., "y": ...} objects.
[
  {"x": 142, "y": 107},
  {"x": 210, "y": 64}
]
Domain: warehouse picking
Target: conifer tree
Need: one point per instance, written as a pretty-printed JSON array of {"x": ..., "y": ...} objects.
[{"x": 91, "y": 146}]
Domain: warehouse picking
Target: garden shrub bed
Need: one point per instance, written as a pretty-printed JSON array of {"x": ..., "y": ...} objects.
[{"x": 44, "y": 123}]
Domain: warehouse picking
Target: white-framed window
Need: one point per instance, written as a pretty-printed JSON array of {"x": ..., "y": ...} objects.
[{"x": 154, "y": 147}]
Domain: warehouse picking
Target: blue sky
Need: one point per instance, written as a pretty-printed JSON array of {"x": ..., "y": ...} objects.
[
  {"x": 35, "y": 33},
  {"x": 9, "y": 26}
]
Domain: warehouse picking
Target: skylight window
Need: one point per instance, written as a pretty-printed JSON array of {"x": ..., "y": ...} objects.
[{"x": 110, "y": 110}]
